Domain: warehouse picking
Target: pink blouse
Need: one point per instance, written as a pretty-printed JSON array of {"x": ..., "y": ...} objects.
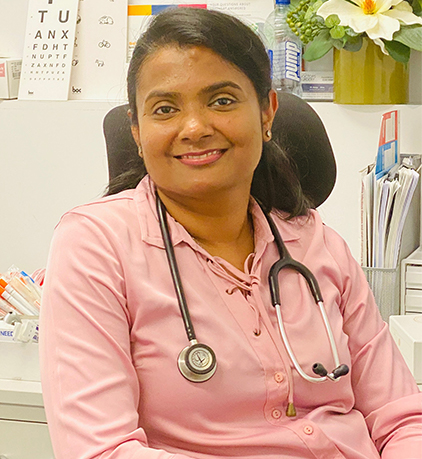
[{"x": 111, "y": 332}]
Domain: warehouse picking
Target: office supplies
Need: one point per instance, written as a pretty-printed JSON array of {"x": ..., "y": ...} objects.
[
  {"x": 25, "y": 327},
  {"x": 388, "y": 145},
  {"x": 25, "y": 289},
  {"x": 31, "y": 284},
  {"x": 390, "y": 215},
  {"x": 5, "y": 306},
  {"x": 21, "y": 307},
  {"x": 10, "y": 72},
  {"x": 17, "y": 296},
  {"x": 387, "y": 186},
  {"x": 317, "y": 85}
]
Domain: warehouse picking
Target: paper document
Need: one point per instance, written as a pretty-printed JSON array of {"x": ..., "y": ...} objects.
[{"x": 387, "y": 190}]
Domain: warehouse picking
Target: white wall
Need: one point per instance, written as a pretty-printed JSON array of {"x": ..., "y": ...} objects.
[{"x": 52, "y": 157}]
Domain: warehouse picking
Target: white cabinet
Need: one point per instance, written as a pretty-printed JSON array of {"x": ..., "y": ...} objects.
[
  {"x": 411, "y": 281},
  {"x": 24, "y": 440},
  {"x": 23, "y": 427}
]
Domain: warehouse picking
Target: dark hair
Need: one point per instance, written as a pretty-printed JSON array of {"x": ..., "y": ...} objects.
[{"x": 275, "y": 183}]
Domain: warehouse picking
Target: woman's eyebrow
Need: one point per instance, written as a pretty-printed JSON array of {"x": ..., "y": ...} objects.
[
  {"x": 220, "y": 85},
  {"x": 162, "y": 94},
  {"x": 208, "y": 89}
]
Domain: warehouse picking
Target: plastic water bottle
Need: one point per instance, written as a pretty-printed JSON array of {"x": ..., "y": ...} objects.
[{"x": 285, "y": 50}]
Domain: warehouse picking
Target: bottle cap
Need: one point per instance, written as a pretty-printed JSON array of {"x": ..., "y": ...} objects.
[{"x": 282, "y": 2}]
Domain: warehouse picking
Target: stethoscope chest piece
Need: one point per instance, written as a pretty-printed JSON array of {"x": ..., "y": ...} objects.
[{"x": 197, "y": 362}]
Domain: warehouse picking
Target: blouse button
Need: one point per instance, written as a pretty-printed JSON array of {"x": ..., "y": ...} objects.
[
  {"x": 276, "y": 414},
  {"x": 309, "y": 430},
  {"x": 279, "y": 377}
]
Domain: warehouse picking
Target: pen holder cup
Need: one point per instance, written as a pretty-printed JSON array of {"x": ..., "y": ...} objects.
[{"x": 385, "y": 285}]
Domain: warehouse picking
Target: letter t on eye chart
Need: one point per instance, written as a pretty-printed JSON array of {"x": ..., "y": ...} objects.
[{"x": 48, "y": 50}]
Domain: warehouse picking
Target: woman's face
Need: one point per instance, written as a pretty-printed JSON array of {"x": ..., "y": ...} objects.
[{"x": 200, "y": 126}]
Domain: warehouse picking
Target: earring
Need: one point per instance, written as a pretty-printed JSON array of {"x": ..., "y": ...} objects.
[
  {"x": 140, "y": 151},
  {"x": 269, "y": 134}
]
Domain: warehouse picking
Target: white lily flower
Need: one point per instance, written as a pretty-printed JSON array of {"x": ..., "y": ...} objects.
[{"x": 377, "y": 18}]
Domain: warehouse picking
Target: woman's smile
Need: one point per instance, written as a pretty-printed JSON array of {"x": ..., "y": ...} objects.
[{"x": 201, "y": 158}]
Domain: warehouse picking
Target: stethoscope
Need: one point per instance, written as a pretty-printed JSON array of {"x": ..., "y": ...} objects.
[{"x": 197, "y": 361}]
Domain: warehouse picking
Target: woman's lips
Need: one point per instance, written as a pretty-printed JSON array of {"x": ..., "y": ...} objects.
[{"x": 201, "y": 158}]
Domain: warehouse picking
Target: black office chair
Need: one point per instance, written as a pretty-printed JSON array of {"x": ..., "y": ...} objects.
[{"x": 297, "y": 129}]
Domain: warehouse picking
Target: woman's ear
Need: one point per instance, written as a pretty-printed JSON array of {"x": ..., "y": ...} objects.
[
  {"x": 269, "y": 112},
  {"x": 135, "y": 132}
]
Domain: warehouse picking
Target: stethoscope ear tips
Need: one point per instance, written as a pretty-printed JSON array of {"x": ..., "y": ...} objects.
[
  {"x": 341, "y": 370},
  {"x": 319, "y": 369}
]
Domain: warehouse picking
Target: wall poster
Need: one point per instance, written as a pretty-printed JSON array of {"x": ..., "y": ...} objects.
[
  {"x": 48, "y": 49},
  {"x": 253, "y": 12},
  {"x": 99, "y": 58}
]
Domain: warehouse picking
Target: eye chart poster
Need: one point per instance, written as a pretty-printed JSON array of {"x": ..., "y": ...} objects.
[
  {"x": 99, "y": 58},
  {"x": 140, "y": 12},
  {"x": 47, "y": 57}
]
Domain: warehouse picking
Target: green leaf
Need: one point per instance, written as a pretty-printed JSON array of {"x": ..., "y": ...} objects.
[
  {"x": 337, "y": 32},
  {"x": 410, "y": 36},
  {"x": 416, "y": 6},
  {"x": 313, "y": 8},
  {"x": 338, "y": 43},
  {"x": 351, "y": 32},
  {"x": 332, "y": 20},
  {"x": 353, "y": 44},
  {"x": 318, "y": 47},
  {"x": 398, "y": 51}
]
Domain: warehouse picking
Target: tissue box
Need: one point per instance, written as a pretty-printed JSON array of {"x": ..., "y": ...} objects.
[
  {"x": 407, "y": 333},
  {"x": 317, "y": 85},
  {"x": 10, "y": 72}
]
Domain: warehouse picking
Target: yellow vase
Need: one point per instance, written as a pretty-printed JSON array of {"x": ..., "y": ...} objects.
[{"x": 369, "y": 76}]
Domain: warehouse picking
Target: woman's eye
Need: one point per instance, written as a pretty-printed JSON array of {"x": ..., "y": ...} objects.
[
  {"x": 223, "y": 102},
  {"x": 165, "y": 110}
]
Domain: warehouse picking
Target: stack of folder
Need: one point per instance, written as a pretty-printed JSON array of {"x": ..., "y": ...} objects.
[{"x": 390, "y": 215}]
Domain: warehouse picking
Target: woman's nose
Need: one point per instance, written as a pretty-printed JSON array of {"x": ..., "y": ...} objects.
[{"x": 195, "y": 126}]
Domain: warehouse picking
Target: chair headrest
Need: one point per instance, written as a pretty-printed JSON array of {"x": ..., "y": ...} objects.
[
  {"x": 297, "y": 128},
  {"x": 299, "y": 131}
]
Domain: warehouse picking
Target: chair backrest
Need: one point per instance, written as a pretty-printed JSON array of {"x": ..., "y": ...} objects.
[{"x": 297, "y": 128}]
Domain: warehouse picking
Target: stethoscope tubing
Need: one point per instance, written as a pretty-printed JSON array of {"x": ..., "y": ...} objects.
[
  {"x": 177, "y": 282},
  {"x": 287, "y": 262}
]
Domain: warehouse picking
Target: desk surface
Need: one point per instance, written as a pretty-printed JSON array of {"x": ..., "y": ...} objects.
[{"x": 21, "y": 392}]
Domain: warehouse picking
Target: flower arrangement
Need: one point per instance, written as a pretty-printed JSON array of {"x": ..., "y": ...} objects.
[{"x": 394, "y": 25}]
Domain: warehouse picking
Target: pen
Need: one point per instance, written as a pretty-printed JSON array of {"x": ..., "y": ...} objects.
[
  {"x": 6, "y": 307},
  {"x": 18, "y": 297},
  {"x": 14, "y": 302},
  {"x": 31, "y": 284},
  {"x": 19, "y": 285}
]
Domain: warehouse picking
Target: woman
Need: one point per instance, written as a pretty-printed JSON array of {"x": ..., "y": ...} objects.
[{"x": 202, "y": 107}]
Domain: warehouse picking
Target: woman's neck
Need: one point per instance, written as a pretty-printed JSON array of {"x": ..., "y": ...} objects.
[{"x": 222, "y": 226}]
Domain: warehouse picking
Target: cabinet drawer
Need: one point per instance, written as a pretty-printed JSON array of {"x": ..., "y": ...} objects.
[
  {"x": 413, "y": 300},
  {"x": 414, "y": 277},
  {"x": 24, "y": 440}
]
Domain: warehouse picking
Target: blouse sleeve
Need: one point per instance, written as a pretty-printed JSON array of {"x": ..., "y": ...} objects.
[
  {"x": 90, "y": 387},
  {"x": 385, "y": 390}
]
